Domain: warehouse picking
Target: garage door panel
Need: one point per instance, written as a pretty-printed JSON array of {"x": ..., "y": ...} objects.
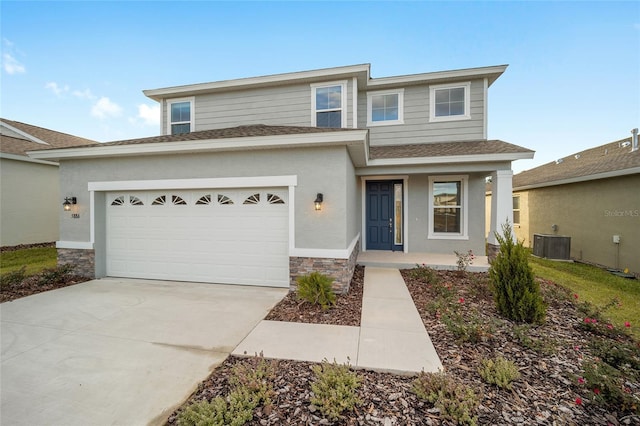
[{"x": 219, "y": 243}]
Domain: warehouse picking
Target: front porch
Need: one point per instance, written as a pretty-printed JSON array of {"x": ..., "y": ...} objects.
[{"x": 401, "y": 260}]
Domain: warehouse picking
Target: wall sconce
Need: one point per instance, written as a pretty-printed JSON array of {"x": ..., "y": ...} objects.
[
  {"x": 318, "y": 202},
  {"x": 68, "y": 202}
]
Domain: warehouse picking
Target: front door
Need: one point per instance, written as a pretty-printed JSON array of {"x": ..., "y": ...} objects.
[{"x": 384, "y": 215}]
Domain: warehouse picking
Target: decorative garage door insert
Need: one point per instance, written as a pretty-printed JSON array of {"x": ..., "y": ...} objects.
[{"x": 216, "y": 236}]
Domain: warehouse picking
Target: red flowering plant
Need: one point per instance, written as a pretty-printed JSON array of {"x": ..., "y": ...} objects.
[{"x": 464, "y": 260}]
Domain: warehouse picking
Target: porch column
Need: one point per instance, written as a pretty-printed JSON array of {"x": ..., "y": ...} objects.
[{"x": 501, "y": 206}]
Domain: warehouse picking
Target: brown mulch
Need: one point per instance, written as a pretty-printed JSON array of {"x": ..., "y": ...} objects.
[
  {"x": 545, "y": 394},
  {"x": 346, "y": 311},
  {"x": 33, "y": 285}
]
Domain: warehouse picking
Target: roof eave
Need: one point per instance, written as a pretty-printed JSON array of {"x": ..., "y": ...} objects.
[
  {"x": 253, "y": 82},
  {"x": 448, "y": 159},
  {"x": 492, "y": 73},
  {"x": 578, "y": 179},
  {"x": 356, "y": 137}
]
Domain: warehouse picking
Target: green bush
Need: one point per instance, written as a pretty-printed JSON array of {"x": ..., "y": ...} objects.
[
  {"x": 609, "y": 386},
  {"x": 471, "y": 330},
  {"x": 500, "y": 372},
  {"x": 251, "y": 387},
  {"x": 316, "y": 288},
  {"x": 544, "y": 345},
  {"x": 14, "y": 277},
  {"x": 55, "y": 275},
  {"x": 424, "y": 273},
  {"x": 516, "y": 292},
  {"x": 334, "y": 389},
  {"x": 455, "y": 401}
]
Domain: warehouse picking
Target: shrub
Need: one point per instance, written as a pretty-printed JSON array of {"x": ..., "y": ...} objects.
[
  {"x": 334, "y": 389},
  {"x": 316, "y": 288},
  {"x": 424, "y": 273},
  {"x": 609, "y": 386},
  {"x": 14, "y": 277},
  {"x": 544, "y": 345},
  {"x": 500, "y": 372},
  {"x": 251, "y": 386},
  {"x": 471, "y": 329},
  {"x": 516, "y": 292},
  {"x": 464, "y": 260},
  {"x": 55, "y": 275},
  {"x": 455, "y": 401}
]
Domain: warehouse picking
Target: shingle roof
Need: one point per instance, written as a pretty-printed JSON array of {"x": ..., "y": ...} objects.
[
  {"x": 18, "y": 146},
  {"x": 231, "y": 132},
  {"x": 441, "y": 149},
  {"x": 611, "y": 157}
]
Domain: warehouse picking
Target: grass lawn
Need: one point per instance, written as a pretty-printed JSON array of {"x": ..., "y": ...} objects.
[
  {"x": 596, "y": 286},
  {"x": 35, "y": 259}
]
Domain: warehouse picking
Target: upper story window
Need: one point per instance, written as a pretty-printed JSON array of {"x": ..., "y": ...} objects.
[
  {"x": 450, "y": 102},
  {"x": 385, "y": 107},
  {"x": 180, "y": 116},
  {"x": 448, "y": 207},
  {"x": 329, "y": 104}
]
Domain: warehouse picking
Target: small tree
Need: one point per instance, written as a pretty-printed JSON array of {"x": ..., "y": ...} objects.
[{"x": 516, "y": 292}]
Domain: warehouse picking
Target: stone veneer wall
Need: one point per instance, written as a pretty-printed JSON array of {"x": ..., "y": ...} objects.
[
  {"x": 492, "y": 252},
  {"x": 83, "y": 260},
  {"x": 341, "y": 270}
]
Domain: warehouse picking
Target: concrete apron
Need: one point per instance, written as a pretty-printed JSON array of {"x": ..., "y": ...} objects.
[
  {"x": 391, "y": 338},
  {"x": 118, "y": 351}
]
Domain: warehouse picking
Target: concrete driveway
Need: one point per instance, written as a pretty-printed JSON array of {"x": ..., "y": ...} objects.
[{"x": 118, "y": 351}]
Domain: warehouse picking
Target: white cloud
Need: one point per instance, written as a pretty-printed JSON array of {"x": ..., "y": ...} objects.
[
  {"x": 58, "y": 90},
  {"x": 10, "y": 64},
  {"x": 84, "y": 94},
  {"x": 104, "y": 108},
  {"x": 150, "y": 115}
]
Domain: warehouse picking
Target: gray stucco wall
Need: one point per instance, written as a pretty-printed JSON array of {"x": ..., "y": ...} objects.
[
  {"x": 31, "y": 202},
  {"x": 318, "y": 170},
  {"x": 417, "y": 128},
  {"x": 591, "y": 213},
  {"x": 418, "y": 221}
]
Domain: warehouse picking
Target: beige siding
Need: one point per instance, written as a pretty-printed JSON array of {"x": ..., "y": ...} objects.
[
  {"x": 31, "y": 202},
  {"x": 591, "y": 213},
  {"x": 418, "y": 129}
]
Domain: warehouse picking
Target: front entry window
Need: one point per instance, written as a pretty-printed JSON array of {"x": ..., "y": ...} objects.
[
  {"x": 397, "y": 204},
  {"x": 448, "y": 204}
]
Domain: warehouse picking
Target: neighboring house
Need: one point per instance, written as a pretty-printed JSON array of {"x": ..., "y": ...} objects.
[
  {"x": 30, "y": 201},
  {"x": 592, "y": 196},
  {"x": 259, "y": 180}
]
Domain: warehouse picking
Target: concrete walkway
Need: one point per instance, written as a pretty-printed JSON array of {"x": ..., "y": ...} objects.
[{"x": 391, "y": 338}]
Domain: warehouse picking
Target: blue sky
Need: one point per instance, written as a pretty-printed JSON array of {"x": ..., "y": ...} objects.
[{"x": 573, "y": 80}]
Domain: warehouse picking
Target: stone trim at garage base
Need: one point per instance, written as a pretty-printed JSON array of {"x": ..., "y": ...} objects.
[
  {"x": 341, "y": 270},
  {"x": 84, "y": 261}
]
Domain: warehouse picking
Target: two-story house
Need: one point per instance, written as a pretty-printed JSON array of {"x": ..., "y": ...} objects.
[{"x": 258, "y": 180}]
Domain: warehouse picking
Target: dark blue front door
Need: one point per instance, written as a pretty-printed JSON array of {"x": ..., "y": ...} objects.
[{"x": 381, "y": 224}]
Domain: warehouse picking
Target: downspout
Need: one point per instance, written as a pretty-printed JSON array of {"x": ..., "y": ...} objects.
[{"x": 634, "y": 140}]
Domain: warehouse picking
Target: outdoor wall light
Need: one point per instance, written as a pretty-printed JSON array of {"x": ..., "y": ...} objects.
[
  {"x": 318, "y": 202},
  {"x": 68, "y": 202}
]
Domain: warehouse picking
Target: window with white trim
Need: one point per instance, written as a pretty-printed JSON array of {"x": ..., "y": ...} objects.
[
  {"x": 385, "y": 107},
  {"x": 329, "y": 105},
  {"x": 449, "y": 102},
  {"x": 516, "y": 210},
  {"x": 448, "y": 207},
  {"x": 180, "y": 116}
]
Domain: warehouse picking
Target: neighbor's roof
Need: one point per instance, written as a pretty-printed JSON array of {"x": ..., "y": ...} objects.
[
  {"x": 17, "y": 138},
  {"x": 612, "y": 159}
]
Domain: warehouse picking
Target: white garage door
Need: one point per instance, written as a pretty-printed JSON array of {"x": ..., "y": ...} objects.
[{"x": 218, "y": 236}]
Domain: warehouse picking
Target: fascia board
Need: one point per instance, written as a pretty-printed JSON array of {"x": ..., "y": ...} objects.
[
  {"x": 26, "y": 159},
  {"x": 190, "y": 89},
  {"x": 475, "y": 158},
  {"x": 493, "y": 71},
  {"x": 578, "y": 179},
  {"x": 233, "y": 182},
  {"x": 24, "y": 134},
  {"x": 212, "y": 145}
]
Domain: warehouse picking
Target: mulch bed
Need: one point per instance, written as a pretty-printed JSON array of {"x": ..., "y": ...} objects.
[
  {"x": 346, "y": 311},
  {"x": 544, "y": 395},
  {"x": 32, "y": 285}
]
